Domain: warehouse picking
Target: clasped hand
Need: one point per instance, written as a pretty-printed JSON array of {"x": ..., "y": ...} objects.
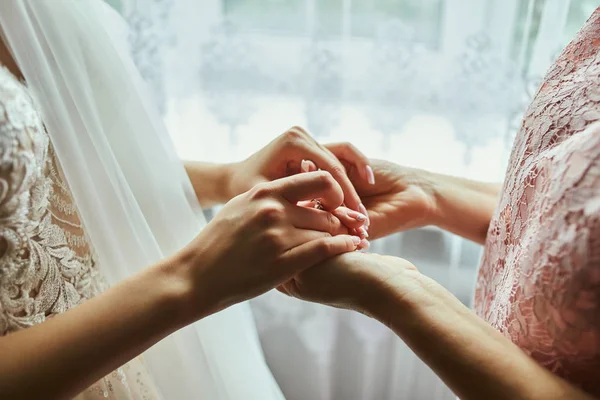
[{"x": 271, "y": 232}]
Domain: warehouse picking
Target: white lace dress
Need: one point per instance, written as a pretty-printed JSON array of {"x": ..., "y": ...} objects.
[{"x": 47, "y": 265}]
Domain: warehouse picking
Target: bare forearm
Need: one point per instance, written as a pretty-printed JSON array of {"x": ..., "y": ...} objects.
[
  {"x": 67, "y": 353},
  {"x": 472, "y": 358},
  {"x": 463, "y": 206},
  {"x": 211, "y": 182}
]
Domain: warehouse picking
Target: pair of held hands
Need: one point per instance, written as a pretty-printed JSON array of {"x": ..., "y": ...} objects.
[{"x": 268, "y": 237}]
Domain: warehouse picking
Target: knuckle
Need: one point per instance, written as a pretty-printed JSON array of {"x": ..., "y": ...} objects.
[
  {"x": 324, "y": 248},
  {"x": 270, "y": 213},
  {"x": 260, "y": 191},
  {"x": 294, "y": 135},
  {"x": 349, "y": 146},
  {"x": 298, "y": 130},
  {"x": 273, "y": 239},
  {"x": 338, "y": 169},
  {"x": 333, "y": 223},
  {"x": 324, "y": 178}
]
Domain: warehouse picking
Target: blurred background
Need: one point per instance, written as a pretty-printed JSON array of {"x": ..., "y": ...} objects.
[{"x": 433, "y": 84}]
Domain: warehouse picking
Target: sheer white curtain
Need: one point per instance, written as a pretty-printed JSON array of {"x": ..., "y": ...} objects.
[{"x": 436, "y": 84}]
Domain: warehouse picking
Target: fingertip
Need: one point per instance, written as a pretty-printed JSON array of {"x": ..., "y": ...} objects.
[
  {"x": 362, "y": 232},
  {"x": 350, "y": 218},
  {"x": 364, "y": 244},
  {"x": 345, "y": 244},
  {"x": 363, "y": 210},
  {"x": 304, "y": 166}
]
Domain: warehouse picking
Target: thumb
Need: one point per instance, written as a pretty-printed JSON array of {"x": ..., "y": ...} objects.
[{"x": 316, "y": 251}]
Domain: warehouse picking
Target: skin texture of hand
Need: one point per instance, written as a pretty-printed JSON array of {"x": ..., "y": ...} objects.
[
  {"x": 353, "y": 281},
  {"x": 401, "y": 198},
  {"x": 262, "y": 238},
  {"x": 283, "y": 157},
  {"x": 404, "y": 198}
]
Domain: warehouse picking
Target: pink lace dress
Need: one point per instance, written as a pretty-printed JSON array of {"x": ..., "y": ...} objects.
[{"x": 539, "y": 282}]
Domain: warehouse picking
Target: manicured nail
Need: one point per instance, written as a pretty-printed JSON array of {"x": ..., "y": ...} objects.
[
  {"x": 364, "y": 244},
  {"x": 356, "y": 240},
  {"x": 357, "y": 216},
  {"x": 304, "y": 166},
  {"x": 370, "y": 175},
  {"x": 363, "y": 210},
  {"x": 362, "y": 232}
]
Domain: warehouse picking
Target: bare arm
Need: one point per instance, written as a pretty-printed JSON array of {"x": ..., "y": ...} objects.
[
  {"x": 472, "y": 358},
  {"x": 258, "y": 240},
  {"x": 463, "y": 206},
  {"x": 211, "y": 182},
  {"x": 124, "y": 321}
]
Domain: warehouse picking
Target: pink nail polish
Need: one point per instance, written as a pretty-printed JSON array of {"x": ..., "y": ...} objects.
[
  {"x": 356, "y": 240},
  {"x": 370, "y": 175},
  {"x": 304, "y": 166}
]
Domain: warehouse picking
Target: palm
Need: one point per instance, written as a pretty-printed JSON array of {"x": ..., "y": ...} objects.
[{"x": 400, "y": 199}]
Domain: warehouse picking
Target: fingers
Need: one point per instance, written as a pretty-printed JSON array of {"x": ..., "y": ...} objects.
[
  {"x": 314, "y": 185},
  {"x": 309, "y": 149},
  {"x": 316, "y": 220},
  {"x": 347, "y": 153},
  {"x": 316, "y": 251},
  {"x": 338, "y": 172},
  {"x": 350, "y": 218},
  {"x": 307, "y": 166}
]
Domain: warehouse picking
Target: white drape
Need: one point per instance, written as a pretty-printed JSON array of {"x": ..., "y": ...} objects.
[
  {"x": 131, "y": 190},
  {"x": 436, "y": 84}
]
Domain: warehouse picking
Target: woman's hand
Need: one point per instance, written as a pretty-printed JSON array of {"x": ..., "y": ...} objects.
[
  {"x": 470, "y": 356},
  {"x": 400, "y": 198},
  {"x": 283, "y": 157},
  {"x": 262, "y": 238},
  {"x": 354, "y": 281},
  {"x": 404, "y": 198}
]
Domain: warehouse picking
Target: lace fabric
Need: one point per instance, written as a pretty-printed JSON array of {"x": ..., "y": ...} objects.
[
  {"x": 539, "y": 282},
  {"x": 46, "y": 263}
]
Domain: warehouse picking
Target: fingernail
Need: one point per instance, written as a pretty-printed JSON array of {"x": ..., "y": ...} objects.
[
  {"x": 357, "y": 216},
  {"x": 363, "y": 210},
  {"x": 370, "y": 175},
  {"x": 304, "y": 166},
  {"x": 364, "y": 244},
  {"x": 362, "y": 232},
  {"x": 356, "y": 240}
]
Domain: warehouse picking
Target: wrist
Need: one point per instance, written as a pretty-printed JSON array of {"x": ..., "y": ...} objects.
[
  {"x": 435, "y": 186},
  {"x": 211, "y": 182},
  {"x": 224, "y": 176},
  {"x": 230, "y": 175},
  {"x": 462, "y": 206},
  {"x": 402, "y": 297},
  {"x": 177, "y": 276}
]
